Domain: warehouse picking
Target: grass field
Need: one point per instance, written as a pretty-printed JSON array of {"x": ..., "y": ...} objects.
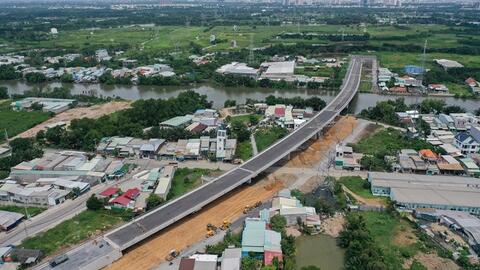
[
  {"x": 16, "y": 122},
  {"x": 32, "y": 211},
  {"x": 244, "y": 150},
  {"x": 388, "y": 142},
  {"x": 74, "y": 231},
  {"x": 186, "y": 179},
  {"x": 245, "y": 118},
  {"x": 459, "y": 90},
  {"x": 356, "y": 185},
  {"x": 397, "y": 60},
  {"x": 267, "y": 136},
  {"x": 169, "y": 37}
]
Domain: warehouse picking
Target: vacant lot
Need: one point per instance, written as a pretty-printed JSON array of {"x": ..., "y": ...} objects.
[
  {"x": 95, "y": 111},
  {"x": 15, "y": 122},
  {"x": 267, "y": 136},
  {"x": 244, "y": 150},
  {"x": 357, "y": 185},
  {"x": 388, "y": 142},
  {"x": 186, "y": 179},
  {"x": 74, "y": 231}
]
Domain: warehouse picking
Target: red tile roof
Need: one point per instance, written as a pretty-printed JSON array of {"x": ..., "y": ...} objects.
[
  {"x": 279, "y": 111},
  {"x": 109, "y": 192},
  {"x": 122, "y": 200},
  {"x": 471, "y": 81},
  {"x": 132, "y": 193},
  {"x": 427, "y": 153},
  {"x": 269, "y": 255}
]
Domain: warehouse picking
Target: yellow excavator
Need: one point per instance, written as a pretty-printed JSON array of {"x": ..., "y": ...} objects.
[
  {"x": 171, "y": 255},
  {"x": 225, "y": 225},
  {"x": 211, "y": 230}
]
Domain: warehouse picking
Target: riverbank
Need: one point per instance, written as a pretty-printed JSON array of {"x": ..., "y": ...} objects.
[{"x": 218, "y": 95}]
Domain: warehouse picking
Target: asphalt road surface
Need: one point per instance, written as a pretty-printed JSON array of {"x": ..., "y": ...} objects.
[{"x": 152, "y": 222}]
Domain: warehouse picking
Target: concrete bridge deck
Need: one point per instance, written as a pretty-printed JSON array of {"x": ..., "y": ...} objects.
[{"x": 162, "y": 217}]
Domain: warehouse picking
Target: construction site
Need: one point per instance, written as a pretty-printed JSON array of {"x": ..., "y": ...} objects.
[
  {"x": 205, "y": 223},
  {"x": 64, "y": 118}
]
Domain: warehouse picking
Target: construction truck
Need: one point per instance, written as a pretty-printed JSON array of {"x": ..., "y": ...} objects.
[
  {"x": 172, "y": 255},
  {"x": 225, "y": 225}
]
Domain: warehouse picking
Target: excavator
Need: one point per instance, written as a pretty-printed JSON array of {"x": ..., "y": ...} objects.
[
  {"x": 172, "y": 255},
  {"x": 248, "y": 207},
  {"x": 211, "y": 230},
  {"x": 225, "y": 225}
]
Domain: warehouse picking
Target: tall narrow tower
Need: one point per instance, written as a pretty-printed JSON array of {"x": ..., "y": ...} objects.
[
  {"x": 424, "y": 59},
  {"x": 251, "y": 57},
  {"x": 221, "y": 139}
]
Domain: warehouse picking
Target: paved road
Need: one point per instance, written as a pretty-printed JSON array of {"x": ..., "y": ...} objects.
[
  {"x": 152, "y": 222},
  {"x": 54, "y": 215}
]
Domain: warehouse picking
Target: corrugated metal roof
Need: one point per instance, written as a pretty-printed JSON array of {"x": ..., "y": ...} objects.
[
  {"x": 253, "y": 235},
  {"x": 272, "y": 241}
]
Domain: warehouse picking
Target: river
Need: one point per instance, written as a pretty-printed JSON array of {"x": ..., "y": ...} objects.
[{"x": 219, "y": 94}]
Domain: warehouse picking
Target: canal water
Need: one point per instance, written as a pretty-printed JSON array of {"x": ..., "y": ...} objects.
[
  {"x": 219, "y": 94},
  {"x": 320, "y": 250}
]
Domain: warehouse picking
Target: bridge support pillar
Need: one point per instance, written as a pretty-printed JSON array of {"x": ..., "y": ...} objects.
[{"x": 287, "y": 157}]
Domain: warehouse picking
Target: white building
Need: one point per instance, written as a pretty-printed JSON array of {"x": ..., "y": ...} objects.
[
  {"x": 239, "y": 69},
  {"x": 221, "y": 140},
  {"x": 278, "y": 70}
]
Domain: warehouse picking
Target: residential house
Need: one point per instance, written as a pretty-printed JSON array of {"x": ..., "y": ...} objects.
[
  {"x": 470, "y": 167},
  {"x": 438, "y": 88},
  {"x": 109, "y": 193},
  {"x": 473, "y": 84},
  {"x": 449, "y": 165},
  {"x": 231, "y": 259},
  {"x": 466, "y": 143}
]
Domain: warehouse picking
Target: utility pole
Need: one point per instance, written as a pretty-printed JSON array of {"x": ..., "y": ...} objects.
[{"x": 251, "y": 57}]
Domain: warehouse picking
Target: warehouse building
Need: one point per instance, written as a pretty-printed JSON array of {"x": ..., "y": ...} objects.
[
  {"x": 9, "y": 220},
  {"x": 55, "y": 105},
  {"x": 411, "y": 191},
  {"x": 164, "y": 184},
  {"x": 278, "y": 70}
]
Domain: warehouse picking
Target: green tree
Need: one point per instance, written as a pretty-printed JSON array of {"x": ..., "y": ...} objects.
[
  {"x": 229, "y": 103},
  {"x": 321, "y": 206},
  {"x": 3, "y": 92},
  {"x": 432, "y": 106},
  {"x": 310, "y": 267},
  {"x": 253, "y": 120},
  {"x": 94, "y": 203},
  {"x": 251, "y": 263},
  {"x": 35, "y": 77},
  {"x": 153, "y": 201},
  {"x": 240, "y": 130},
  {"x": 66, "y": 78},
  {"x": 278, "y": 223}
]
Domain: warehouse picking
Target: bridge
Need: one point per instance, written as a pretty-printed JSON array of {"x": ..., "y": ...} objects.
[{"x": 191, "y": 202}]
